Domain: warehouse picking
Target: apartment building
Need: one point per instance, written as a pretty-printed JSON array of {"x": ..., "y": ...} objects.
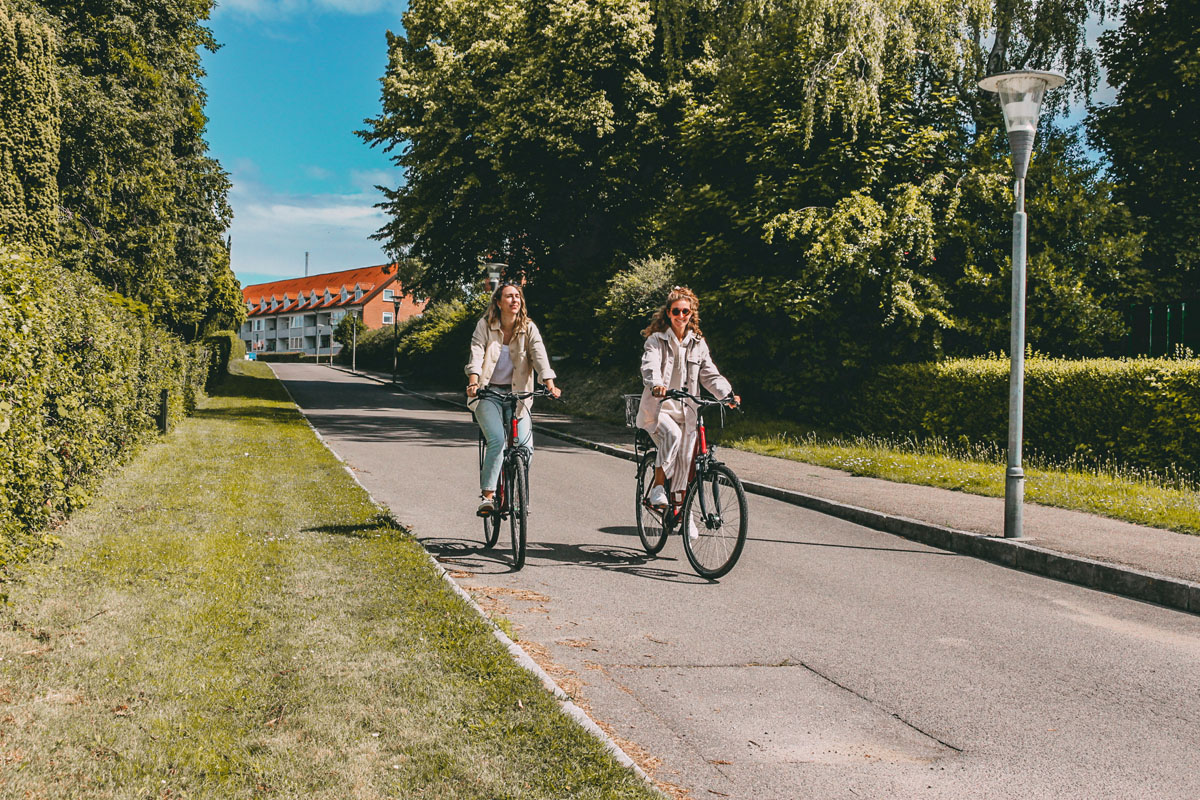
[{"x": 298, "y": 315}]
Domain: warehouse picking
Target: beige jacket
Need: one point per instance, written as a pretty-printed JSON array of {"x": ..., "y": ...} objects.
[
  {"x": 528, "y": 356},
  {"x": 658, "y": 361}
]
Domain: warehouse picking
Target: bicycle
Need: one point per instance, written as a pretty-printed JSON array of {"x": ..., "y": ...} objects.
[
  {"x": 511, "y": 500},
  {"x": 723, "y": 515}
]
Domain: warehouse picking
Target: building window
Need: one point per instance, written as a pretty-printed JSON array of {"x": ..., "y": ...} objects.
[
  {"x": 296, "y": 343},
  {"x": 298, "y": 321},
  {"x": 258, "y": 324},
  {"x": 389, "y": 295},
  {"x": 387, "y": 318}
]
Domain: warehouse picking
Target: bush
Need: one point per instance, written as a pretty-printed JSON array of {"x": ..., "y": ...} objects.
[
  {"x": 81, "y": 376},
  {"x": 375, "y": 347},
  {"x": 433, "y": 348},
  {"x": 222, "y": 347},
  {"x": 630, "y": 300},
  {"x": 1141, "y": 412}
]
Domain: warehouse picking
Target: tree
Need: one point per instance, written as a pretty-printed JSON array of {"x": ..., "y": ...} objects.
[
  {"x": 345, "y": 333},
  {"x": 29, "y": 131},
  {"x": 526, "y": 131},
  {"x": 145, "y": 208},
  {"x": 1151, "y": 133}
]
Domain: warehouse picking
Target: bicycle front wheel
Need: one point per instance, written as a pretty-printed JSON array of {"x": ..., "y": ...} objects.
[
  {"x": 518, "y": 494},
  {"x": 651, "y": 527},
  {"x": 491, "y": 522},
  {"x": 715, "y": 520}
]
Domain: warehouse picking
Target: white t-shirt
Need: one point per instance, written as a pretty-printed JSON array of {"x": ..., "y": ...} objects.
[
  {"x": 502, "y": 374},
  {"x": 678, "y": 372}
]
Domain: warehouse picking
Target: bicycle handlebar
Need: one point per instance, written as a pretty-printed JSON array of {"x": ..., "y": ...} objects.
[
  {"x": 703, "y": 402},
  {"x": 487, "y": 391}
]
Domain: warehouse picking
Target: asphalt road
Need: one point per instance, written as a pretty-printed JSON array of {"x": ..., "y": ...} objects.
[{"x": 833, "y": 662}]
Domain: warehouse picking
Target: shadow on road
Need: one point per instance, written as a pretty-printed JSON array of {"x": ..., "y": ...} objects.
[{"x": 471, "y": 556}]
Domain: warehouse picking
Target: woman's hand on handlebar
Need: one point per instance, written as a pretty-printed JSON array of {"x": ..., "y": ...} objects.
[
  {"x": 734, "y": 401},
  {"x": 555, "y": 392},
  {"x": 472, "y": 389},
  {"x": 659, "y": 391}
]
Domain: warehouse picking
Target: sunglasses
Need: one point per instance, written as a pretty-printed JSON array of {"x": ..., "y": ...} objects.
[{"x": 681, "y": 312}]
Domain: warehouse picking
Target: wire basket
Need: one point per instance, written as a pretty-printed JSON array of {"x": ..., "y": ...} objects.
[{"x": 632, "y": 403}]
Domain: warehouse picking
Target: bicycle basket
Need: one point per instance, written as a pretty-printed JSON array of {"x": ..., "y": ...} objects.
[{"x": 632, "y": 402}]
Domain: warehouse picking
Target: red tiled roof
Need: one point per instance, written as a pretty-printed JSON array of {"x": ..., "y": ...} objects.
[{"x": 365, "y": 278}]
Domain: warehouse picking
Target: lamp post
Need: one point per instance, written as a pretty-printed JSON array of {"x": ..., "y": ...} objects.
[
  {"x": 354, "y": 340},
  {"x": 1021, "y": 94},
  {"x": 494, "y": 271},
  {"x": 395, "y": 329}
]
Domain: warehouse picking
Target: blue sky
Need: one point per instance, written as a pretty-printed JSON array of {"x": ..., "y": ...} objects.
[{"x": 292, "y": 82}]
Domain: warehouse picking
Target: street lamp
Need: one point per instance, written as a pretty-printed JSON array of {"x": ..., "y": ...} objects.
[
  {"x": 395, "y": 329},
  {"x": 494, "y": 270},
  {"x": 354, "y": 340},
  {"x": 1021, "y": 94}
]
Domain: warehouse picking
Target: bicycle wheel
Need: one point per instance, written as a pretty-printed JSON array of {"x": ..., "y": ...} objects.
[
  {"x": 720, "y": 520},
  {"x": 491, "y": 522},
  {"x": 651, "y": 527},
  {"x": 518, "y": 493}
]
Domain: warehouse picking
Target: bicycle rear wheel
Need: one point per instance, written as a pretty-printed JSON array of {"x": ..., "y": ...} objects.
[
  {"x": 650, "y": 523},
  {"x": 518, "y": 493},
  {"x": 720, "y": 519}
]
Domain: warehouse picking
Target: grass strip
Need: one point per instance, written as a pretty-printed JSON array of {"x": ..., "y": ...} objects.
[
  {"x": 1143, "y": 502},
  {"x": 1111, "y": 490},
  {"x": 233, "y": 618}
]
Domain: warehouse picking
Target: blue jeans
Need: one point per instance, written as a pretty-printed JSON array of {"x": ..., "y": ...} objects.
[{"x": 489, "y": 413}]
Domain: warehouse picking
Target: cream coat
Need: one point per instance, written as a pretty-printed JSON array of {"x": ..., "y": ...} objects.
[
  {"x": 658, "y": 362},
  {"x": 528, "y": 356}
]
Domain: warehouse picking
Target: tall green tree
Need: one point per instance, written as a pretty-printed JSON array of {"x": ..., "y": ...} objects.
[
  {"x": 145, "y": 206},
  {"x": 1151, "y": 133},
  {"x": 526, "y": 132},
  {"x": 29, "y": 130}
]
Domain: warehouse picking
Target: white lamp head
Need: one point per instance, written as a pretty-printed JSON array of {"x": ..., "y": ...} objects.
[{"x": 1021, "y": 93}]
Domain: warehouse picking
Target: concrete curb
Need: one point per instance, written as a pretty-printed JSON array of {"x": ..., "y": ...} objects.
[
  {"x": 1016, "y": 554},
  {"x": 517, "y": 653}
]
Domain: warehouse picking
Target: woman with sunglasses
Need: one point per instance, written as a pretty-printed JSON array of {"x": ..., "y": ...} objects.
[
  {"x": 506, "y": 351},
  {"x": 675, "y": 356}
]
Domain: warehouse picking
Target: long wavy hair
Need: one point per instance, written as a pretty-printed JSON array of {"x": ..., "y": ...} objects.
[
  {"x": 493, "y": 309},
  {"x": 661, "y": 321}
]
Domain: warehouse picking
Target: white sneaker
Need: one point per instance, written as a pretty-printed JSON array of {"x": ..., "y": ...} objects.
[
  {"x": 658, "y": 497},
  {"x": 693, "y": 531}
]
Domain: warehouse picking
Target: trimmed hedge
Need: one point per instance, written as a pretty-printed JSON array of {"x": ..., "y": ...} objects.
[
  {"x": 81, "y": 375},
  {"x": 223, "y": 347},
  {"x": 1141, "y": 412}
]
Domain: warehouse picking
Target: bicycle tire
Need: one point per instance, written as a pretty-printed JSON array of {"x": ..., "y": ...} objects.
[
  {"x": 518, "y": 517},
  {"x": 492, "y": 521},
  {"x": 721, "y": 533},
  {"x": 651, "y": 526}
]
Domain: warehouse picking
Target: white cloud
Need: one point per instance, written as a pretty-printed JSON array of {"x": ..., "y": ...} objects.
[
  {"x": 271, "y": 232},
  {"x": 365, "y": 180}
]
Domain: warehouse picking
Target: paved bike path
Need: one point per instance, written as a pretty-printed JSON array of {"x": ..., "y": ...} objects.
[
  {"x": 835, "y": 661},
  {"x": 1137, "y": 561}
]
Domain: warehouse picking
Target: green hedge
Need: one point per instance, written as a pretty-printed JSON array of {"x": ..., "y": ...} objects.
[
  {"x": 81, "y": 375},
  {"x": 1142, "y": 412},
  {"x": 223, "y": 347},
  {"x": 435, "y": 346}
]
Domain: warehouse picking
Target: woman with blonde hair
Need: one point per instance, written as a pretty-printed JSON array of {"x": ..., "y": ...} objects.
[
  {"x": 506, "y": 351},
  {"x": 675, "y": 356}
]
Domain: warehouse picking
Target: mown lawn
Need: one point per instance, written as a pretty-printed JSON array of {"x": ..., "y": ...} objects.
[
  {"x": 1112, "y": 490},
  {"x": 233, "y": 618}
]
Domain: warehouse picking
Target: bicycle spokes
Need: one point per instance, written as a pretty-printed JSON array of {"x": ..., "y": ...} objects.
[{"x": 720, "y": 531}]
